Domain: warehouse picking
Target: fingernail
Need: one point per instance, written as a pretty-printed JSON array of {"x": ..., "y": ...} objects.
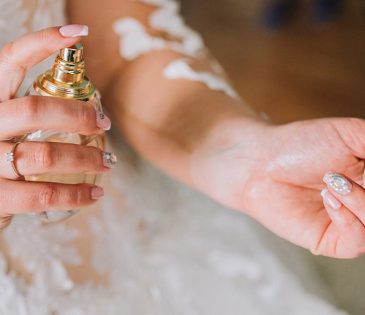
[
  {"x": 102, "y": 121},
  {"x": 74, "y": 30},
  {"x": 338, "y": 183},
  {"x": 109, "y": 159},
  {"x": 97, "y": 193},
  {"x": 330, "y": 200}
]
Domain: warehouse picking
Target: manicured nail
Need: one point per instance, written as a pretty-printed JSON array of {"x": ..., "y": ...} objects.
[
  {"x": 330, "y": 200},
  {"x": 97, "y": 192},
  {"x": 74, "y": 30},
  {"x": 338, "y": 183},
  {"x": 102, "y": 121},
  {"x": 109, "y": 159}
]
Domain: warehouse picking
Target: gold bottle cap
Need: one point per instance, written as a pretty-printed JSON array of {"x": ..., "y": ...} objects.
[
  {"x": 67, "y": 78},
  {"x": 73, "y": 54}
]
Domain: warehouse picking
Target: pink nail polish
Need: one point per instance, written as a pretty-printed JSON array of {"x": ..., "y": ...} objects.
[
  {"x": 102, "y": 121},
  {"x": 330, "y": 200},
  {"x": 97, "y": 193},
  {"x": 74, "y": 30}
]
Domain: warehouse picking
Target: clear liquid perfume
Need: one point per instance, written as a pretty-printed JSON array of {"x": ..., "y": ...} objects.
[{"x": 66, "y": 79}]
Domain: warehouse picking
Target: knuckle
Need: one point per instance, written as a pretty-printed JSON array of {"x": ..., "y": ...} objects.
[
  {"x": 88, "y": 158},
  {"x": 86, "y": 117},
  {"x": 45, "y": 156},
  {"x": 92, "y": 158},
  {"x": 6, "y": 53},
  {"x": 42, "y": 34},
  {"x": 44, "y": 37},
  {"x": 7, "y": 59},
  {"x": 76, "y": 196},
  {"x": 29, "y": 109},
  {"x": 48, "y": 196},
  {"x": 8, "y": 48}
]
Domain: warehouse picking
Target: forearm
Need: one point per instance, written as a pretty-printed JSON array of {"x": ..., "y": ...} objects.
[{"x": 167, "y": 120}]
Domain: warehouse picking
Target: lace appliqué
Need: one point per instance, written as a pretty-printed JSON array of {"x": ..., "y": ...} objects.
[
  {"x": 165, "y": 248},
  {"x": 12, "y": 20},
  {"x": 180, "y": 69},
  {"x": 135, "y": 41}
]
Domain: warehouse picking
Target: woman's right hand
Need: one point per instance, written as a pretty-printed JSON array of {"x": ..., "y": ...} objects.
[{"x": 19, "y": 116}]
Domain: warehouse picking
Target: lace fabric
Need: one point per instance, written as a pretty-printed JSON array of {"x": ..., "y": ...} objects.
[{"x": 159, "y": 247}]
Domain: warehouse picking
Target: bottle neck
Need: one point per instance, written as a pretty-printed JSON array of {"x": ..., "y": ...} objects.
[
  {"x": 67, "y": 77},
  {"x": 68, "y": 72}
]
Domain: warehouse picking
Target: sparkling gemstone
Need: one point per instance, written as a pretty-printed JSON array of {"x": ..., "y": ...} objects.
[
  {"x": 110, "y": 158},
  {"x": 9, "y": 157},
  {"x": 339, "y": 183}
]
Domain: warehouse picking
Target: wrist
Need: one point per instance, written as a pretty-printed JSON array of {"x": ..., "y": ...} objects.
[{"x": 228, "y": 157}]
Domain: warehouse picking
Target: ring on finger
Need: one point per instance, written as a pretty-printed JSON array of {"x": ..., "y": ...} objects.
[
  {"x": 10, "y": 158},
  {"x": 6, "y": 140}
]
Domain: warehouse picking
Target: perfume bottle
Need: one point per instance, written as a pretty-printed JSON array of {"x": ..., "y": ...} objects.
[{"x": 66, "y": 79}]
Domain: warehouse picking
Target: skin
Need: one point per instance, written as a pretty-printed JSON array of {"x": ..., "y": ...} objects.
[
  {"x": 278, "y": 179},
  {"x": 33, "y": 113},
  {"x": 201, "y": 137},
  {"x": 214, "y": 144}
]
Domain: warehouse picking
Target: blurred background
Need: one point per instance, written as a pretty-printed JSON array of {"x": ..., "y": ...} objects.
[
  {"x": 294, "y": 60},
  {"x": 304, "y": 69}
]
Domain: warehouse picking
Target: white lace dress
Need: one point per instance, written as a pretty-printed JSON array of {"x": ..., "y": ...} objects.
[{"x": 152, "y": 245}]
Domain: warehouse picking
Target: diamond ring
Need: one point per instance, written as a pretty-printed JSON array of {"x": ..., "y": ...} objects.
[{"x": 10, "y": 158}]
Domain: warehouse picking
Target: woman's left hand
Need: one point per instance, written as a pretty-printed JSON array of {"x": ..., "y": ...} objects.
[{"x": 301, "y": 180}]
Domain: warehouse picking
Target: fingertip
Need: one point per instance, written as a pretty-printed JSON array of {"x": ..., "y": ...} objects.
[
  {"x": 330, "y": 200},
  {"x": 97, "y": 193},
  {"x": 103, "y": 121},
  {"x": 338, "y": 183},
  {"x": 339, "y": 214},
  {"x": 333, "y": 208},
  {"x": 323, "y": 192},
  {"x": 32, "y": 48},
  {"x": 74, "y": 30}
]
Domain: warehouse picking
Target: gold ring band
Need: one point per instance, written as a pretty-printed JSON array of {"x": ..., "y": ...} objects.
[{"x": 10, "y": 157}]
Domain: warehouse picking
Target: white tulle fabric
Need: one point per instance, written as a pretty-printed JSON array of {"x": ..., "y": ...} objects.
[{"x": 164, "y": 248}]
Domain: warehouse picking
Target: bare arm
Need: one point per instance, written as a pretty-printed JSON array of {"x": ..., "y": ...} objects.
[
  {"x": 211, "y": 141},
  {"x": 164, "y": 120}
]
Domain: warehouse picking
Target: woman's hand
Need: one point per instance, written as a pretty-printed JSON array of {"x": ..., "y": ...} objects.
[
  {"x": 19, "y": 116},
  {"x": 276, "y": 174}
]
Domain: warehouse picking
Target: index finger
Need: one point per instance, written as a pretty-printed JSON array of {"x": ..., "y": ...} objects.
[
  {"x": 17, "y": 57},
  {"x": 27, "y": 114}
]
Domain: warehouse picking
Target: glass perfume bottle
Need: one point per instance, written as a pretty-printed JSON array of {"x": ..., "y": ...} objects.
[{"x": 66, "y": 79}]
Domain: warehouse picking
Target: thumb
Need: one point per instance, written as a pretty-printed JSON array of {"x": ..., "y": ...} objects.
[{"x": 17, "y": 57}]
